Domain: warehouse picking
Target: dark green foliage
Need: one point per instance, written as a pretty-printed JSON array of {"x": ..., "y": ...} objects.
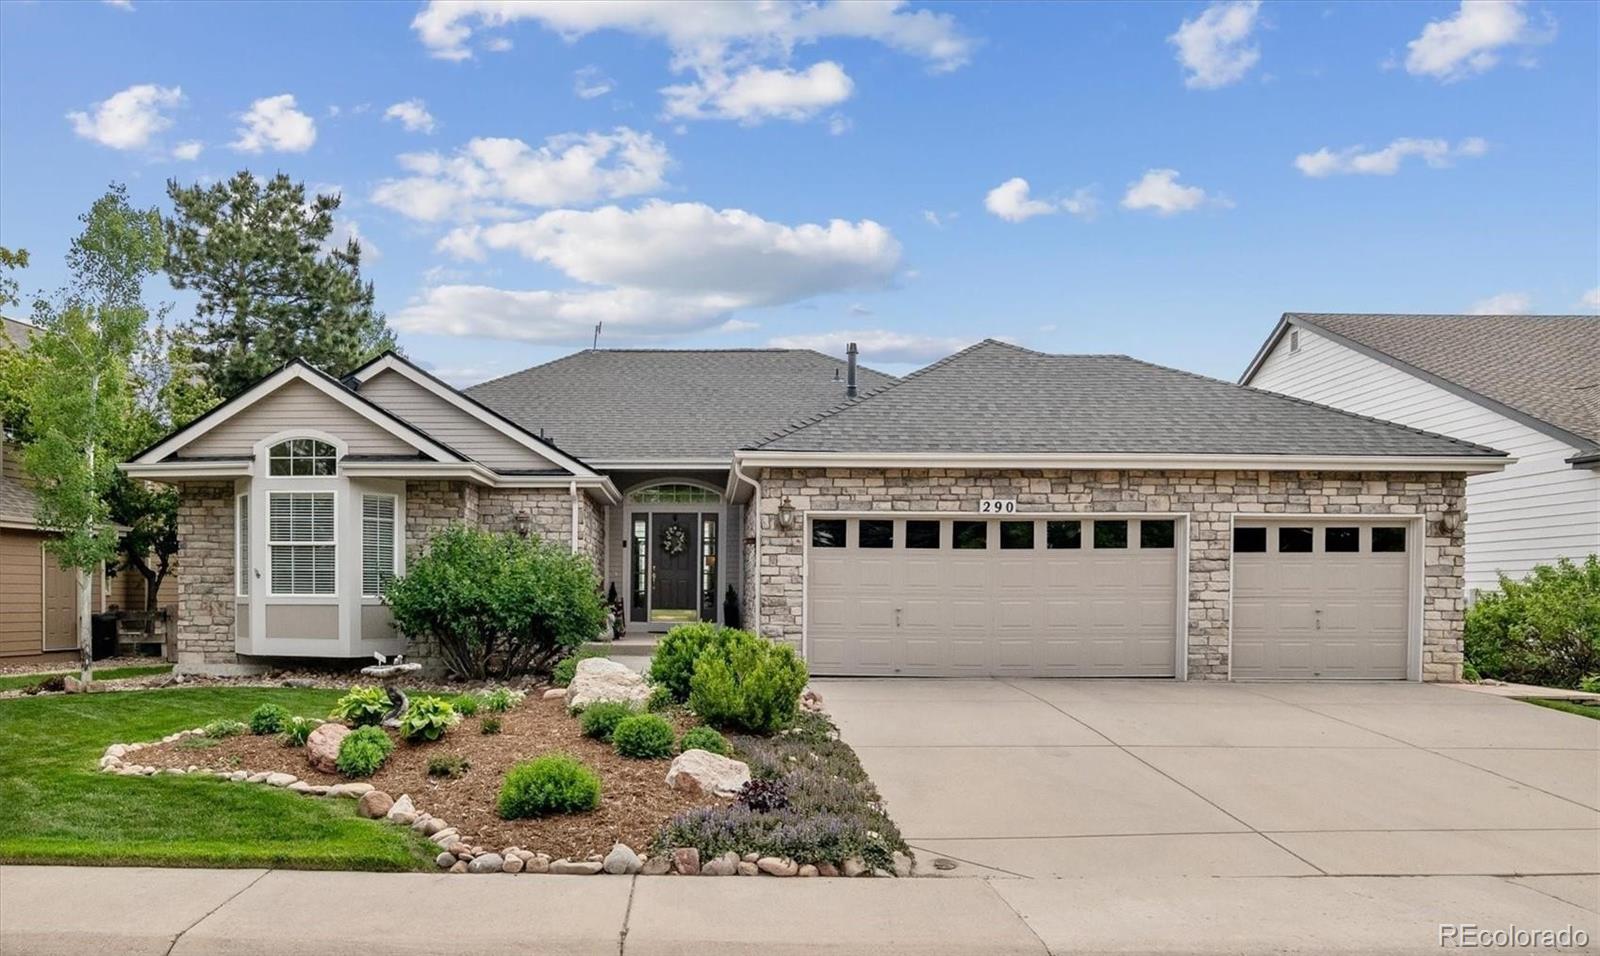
[
  {"x": 599, "y": 719},
  {"x": 466, "y": 705},
  {"x": 747, "y": 683},
  {"x": 643, "y": 737},
  {"x": 672, "y": 664},
  {"x": 497, "y": 604},
  {"x": 660, "y": 699},
  {"x": 268, "y": 719},
  {"x": 362, "y": 706},
  {"x": 448, "y": 765},
  {"x": 268, "y": 287},
  {"x": 1544, "y": 629},
  {"x": 296, "y": 730},
  {"x": 555, "y": 783},
  {"x": 703, "y": 738},
  {"x": 363, "y": 751},
  {"x": 427, "y": 719},
  {"x": 219, "y": 729},
  {"x": 489, "y": 726},
  {"x": 567, "y": 668}
]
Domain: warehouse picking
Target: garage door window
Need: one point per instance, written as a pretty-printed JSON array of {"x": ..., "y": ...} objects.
[
  {"x": 1294, "y": 540},
  {"x": 1063, "y": 535},
  {"x": 828, "y": 533},
  {"x": 1156, "y": 534},
  {"x": 1388, "y": 540},
  {"x": 1016, "y": 535},
  {"x": 1341, "y": 540},
  {"x": 1249, "y": 540},
  {"x": 877, "y": 534},
  {"x": 971, "y": 535},
  {"x": 1110, "y": 534},
  {"x": 922, "y": 534}
]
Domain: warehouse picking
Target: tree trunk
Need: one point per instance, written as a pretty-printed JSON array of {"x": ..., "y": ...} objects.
[{"x": 85, "y": 629}]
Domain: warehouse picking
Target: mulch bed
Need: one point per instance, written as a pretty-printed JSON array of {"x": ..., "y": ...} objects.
[{"x": 634, "y": 801}]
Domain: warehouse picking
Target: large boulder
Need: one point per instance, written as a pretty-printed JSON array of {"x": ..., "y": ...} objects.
[
  {"x": 599, "y": 678},
  {"x": 701, "y": 771},
  {"x": 322, "y": 747}
]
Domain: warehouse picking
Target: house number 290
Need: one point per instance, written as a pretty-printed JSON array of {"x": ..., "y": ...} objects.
[{"x": 997, "y": 506}]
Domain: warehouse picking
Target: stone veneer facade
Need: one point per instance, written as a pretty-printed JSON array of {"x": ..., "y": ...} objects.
[{"x": 1209, "y": 498}]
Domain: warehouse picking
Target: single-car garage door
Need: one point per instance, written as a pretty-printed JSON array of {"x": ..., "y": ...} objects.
[
  {"x": 936, "y": 597},
  {"x": 1320, "y": 599}
]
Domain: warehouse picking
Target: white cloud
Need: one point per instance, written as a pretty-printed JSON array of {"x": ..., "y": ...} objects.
[
  {"x": 1357, "y": 160},
  {"x": 876, "y": 345},
  {"x": 839, "y": 124},
  {"x": 1591, "y": 300},
  {"x": 489, "y": 177},
  {"x": 589, "y": 83},
  {"x": 738, "y": 325},
  {"x": 659, "y": 270},
  {"x": 188, "y": 150},
  {"x": 1159, "y": 191},
  {"x": 1506, "y": 303},
  {"x": 737, "y": 53},
  {"x": 274, "y": 123},
  {"x": 128, "y": 119},
  {"x": 1472, "y": 39},
  {"x": 345, "y": 230},
  {"x": 1214, "y": 48},
  {"x": 1011, "y": 201},
  {"x": 412, "y": 114},
  {"x": 932, "y": 218},
  {"x": 497, "y": 44},
  {"x": 124, "y": 5}
]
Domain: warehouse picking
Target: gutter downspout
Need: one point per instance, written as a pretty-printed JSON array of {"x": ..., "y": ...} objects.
[
  {"x": 572, "y": 487},
  {"x": 756, "y": 557}
]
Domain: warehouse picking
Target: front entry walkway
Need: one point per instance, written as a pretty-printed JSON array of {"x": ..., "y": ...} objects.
[{"x": 1062, "y": 778}]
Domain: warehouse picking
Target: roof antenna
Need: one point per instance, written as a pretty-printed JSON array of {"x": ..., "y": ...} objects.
[{"x": 596, "y": 343}]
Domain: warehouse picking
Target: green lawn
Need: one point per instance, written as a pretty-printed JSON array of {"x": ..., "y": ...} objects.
[
  {"x": 1591, "y": 711},
  {"x": 56, "y": 807},
  {"x": 19, "y": 681}
]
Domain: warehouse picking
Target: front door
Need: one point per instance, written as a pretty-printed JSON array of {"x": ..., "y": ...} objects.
[
  {"x": 674, "y": 543},
  {"x": 60, "y": 605}
]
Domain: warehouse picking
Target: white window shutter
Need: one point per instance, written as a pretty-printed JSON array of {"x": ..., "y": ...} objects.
[{"x": 377, "y": 544}]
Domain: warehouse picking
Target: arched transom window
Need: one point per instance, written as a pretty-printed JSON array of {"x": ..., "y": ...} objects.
[
  {"x": 674, "y": 494},
  {"x": 302, "y": 457}
]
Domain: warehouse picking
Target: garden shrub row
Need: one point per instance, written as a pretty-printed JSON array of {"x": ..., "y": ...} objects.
[
  {"x": 731, "y": 678},
  {"x": 1543, "y": 629}
]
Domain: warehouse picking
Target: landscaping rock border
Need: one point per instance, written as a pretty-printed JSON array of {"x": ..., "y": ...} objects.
[{"x": 457, "y": 855}]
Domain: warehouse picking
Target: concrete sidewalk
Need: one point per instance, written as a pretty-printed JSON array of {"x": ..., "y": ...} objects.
[{"x": 60, "y": 910}]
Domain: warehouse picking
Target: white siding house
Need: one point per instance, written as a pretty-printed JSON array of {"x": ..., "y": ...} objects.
[{"x": 1544, "y": 507}]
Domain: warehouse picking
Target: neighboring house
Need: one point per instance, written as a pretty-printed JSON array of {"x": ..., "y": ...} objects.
[
  {"x": 1527, "y": 384},
  {"x": 1001, "y": 512}
]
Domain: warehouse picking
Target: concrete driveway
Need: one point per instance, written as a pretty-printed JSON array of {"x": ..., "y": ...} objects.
[{"x": 1059, "y": 778}]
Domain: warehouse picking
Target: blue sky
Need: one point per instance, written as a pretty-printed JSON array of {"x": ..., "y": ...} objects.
[{"x": 730, "y": 175}]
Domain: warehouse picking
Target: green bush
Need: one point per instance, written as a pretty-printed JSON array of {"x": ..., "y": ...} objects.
[
  {"x": 567, "y": 668},
  {"x": 747, "y": 683},
  {"x": 363, "y": 751},
  {"x": 660, "y": 699},
  {"x": 219, "y": 729},
  {"x": 362, "y": 706},
  {"x": 448, "y": 765},
  {"x": 1590, "y": 684},
  {"x": 703, "y": 738},
  {"x": 296, "y": 730},
  {"x": 1544, "y": 629},
  {"x": 501, "y": 699},
  {"x": 599, "y": 719},
  {"x": 466, "y": 704},
  {"x": 427, "y": 719},
  {"x": 672, "y": 664},
  {"x": 268, "y": 719},
  {"x": 643, "y": 737},
  {"x": 497, "y": 603},
  {"x": 489, "y": 726},
  {"x": 554, "y": 783}
]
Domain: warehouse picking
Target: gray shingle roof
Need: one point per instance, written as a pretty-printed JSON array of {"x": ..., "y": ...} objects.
[
  {"x": 995, "y": 398},
  {"x": 659, "y": 404},
  {"x": 17, "y": 502},
  {"x": 14, "y": 332},
  {"x": 1534, "y": 364}
]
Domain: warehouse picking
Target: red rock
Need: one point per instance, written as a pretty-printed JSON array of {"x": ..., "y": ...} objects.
[{"x": 322, "y": 747}]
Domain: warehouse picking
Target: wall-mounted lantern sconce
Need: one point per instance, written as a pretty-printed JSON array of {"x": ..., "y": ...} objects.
[
  {"x": 1450, "y": 521},
  {"x": 785, "y": 514},
  {"x": 522, "y": 523}
]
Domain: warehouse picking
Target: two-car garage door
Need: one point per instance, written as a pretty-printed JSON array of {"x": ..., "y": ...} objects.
[{"x": 1067, "y": 597}]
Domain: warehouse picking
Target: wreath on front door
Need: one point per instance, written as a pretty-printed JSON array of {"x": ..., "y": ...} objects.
[{"x": 673, "y": 540}]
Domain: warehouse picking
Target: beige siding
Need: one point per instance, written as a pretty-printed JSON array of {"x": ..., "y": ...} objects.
[
  {"x": 450, "y": 425},
  {"x": 21, "y": 593},
  {"x": 296, "y": 405}
]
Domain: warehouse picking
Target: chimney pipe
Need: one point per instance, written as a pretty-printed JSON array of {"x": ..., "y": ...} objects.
[{"x": 850, "y": 371}]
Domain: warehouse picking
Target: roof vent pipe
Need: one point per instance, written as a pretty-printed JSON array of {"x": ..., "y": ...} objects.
[{"x": 850, "y": 352}]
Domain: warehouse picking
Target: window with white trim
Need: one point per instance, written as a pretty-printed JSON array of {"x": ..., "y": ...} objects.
[
  {"x": 302, "y": 458},
  {"x": 301, "y": 548},
  {"x": 377, "y": 544},
  {"x": 241, "y": 539}
]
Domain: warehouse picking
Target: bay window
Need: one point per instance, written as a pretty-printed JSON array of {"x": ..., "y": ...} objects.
[{"x": 301, "y": 546}]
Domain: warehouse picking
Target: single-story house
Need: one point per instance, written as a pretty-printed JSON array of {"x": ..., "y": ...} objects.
[
  {"x": 1528, "y": 384},
  {"x": 1002, "y": 511}
]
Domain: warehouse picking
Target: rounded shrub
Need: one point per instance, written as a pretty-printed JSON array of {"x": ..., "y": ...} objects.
[
  {"x": 643, "y": 737},
  {"x": 489, "y": 726},
  {"x": 599, "y": 719},
  {"x": 363, "y": 751},
  {"x": 268, "y": 719},
  {"x": 703, "y": 738},
  {"x": 747, "y": 682},
  {"x": 427, "y": 719},
  {"x": 672, "y": 664},
  {"x": 554, "y": 783},
  {"x": 660, "y": 699}
]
